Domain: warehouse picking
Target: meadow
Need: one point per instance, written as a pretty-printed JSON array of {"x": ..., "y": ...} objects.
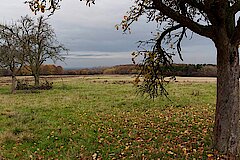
[{"x": 102, "y": 117}]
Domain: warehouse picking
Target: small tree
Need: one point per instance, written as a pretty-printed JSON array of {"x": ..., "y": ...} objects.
[
  {"x": 11, "y": 52},
  {"x": 40, "y": 44}
]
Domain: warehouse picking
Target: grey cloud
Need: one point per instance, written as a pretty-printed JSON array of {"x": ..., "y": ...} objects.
[
  {"x": 90, "y": 35},
  {"x": 84, "y": 55},
  {"x": 97, "y": 54}
]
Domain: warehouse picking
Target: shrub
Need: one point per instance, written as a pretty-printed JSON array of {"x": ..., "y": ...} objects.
[{"x": 23, "y": 85}]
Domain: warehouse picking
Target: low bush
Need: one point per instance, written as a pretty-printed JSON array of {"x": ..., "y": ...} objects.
[{"x": 24, "y": 85}]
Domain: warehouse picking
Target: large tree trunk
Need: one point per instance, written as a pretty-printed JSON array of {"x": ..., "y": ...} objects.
[{"x": 226, "y": 130}]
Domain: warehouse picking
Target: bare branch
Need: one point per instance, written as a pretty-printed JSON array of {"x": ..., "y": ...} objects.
[{"x": 206, "y": 31}]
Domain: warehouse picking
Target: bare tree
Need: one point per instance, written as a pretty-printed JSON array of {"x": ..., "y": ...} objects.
[
  {"x": 215, "y": 19},
  {"x": 40, "y": 44},
  {"x": 11, "y": 52}
]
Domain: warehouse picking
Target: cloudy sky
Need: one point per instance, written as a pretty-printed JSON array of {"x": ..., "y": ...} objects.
[{"x": 93, "y": 41}]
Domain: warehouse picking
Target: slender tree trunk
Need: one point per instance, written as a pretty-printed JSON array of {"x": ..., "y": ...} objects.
[
  {"x": 36, "y": 79},
  {"x": 14, "y": 83},
  {"x": 226, "y": 129}
]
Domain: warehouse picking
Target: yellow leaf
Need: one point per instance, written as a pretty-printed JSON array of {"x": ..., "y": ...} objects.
[{"x": 210, "y": 155}]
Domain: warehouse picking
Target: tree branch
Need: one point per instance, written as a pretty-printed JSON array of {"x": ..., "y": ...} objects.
[{"x": 206, "y": 31}]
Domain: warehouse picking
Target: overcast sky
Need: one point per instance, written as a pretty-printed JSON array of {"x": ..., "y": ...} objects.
[{"x": 93, "y": 41}]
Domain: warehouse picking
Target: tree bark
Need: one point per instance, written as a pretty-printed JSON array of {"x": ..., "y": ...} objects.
[
  {"x": 226, "y": 129},
  {"x": 36, "y": 80},
  {"x": 14, "y": 84}
]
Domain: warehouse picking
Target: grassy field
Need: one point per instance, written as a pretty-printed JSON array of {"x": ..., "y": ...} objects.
[{"x": 103, "y": 118}]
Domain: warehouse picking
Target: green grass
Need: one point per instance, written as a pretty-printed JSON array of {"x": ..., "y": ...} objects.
[{"x": 91, "y": 118}]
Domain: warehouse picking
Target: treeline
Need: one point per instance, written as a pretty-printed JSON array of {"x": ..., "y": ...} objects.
[
  {"x": 119, "y": 69},
  {"x": 194, "y": 70},
  {"x": 191, "y": 70},
  {"x": 44, "y": 70}
]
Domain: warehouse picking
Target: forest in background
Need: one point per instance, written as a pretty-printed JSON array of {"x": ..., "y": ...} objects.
[{"x": 191, "y": 70}]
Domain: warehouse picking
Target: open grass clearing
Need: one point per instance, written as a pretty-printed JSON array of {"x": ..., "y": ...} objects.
[{"x": 101, "y": 117}]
